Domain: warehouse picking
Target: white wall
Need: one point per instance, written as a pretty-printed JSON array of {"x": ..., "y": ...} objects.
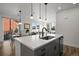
[
  {"x": 67, "y": 23},
  {"x": 1, "y": 30}
]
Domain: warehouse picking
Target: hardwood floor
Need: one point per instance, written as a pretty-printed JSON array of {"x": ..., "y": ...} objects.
[
  {"x": 7, "y": 48},
  {"x": 71, "y": 51},
  {"x": 0, "y": 48}
]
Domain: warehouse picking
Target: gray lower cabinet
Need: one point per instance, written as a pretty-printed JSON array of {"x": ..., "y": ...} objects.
[
  {"x": 54, "y": 48},
  {"x": 61, "y": 45},
  {"x": 51, "y": 49},
  {"x": 25, "y": 51}
]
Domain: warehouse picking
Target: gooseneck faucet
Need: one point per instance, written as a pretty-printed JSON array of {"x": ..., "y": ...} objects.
[{"x": 43, "y": 31}]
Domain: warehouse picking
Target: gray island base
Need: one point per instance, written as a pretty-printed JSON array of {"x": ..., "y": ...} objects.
[{"x": 34, "y": 46}]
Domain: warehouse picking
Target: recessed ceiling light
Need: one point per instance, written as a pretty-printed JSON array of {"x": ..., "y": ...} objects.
[{"x": 59, "y": 8}]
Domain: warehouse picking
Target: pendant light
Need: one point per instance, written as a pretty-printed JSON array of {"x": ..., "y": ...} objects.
[
  {"x": 20, "y": 23},
  {"x": 46, "y": 11},
  {"x": 20, "y": 17},
  {"x": 40, "y": 11},
  {"x": 31, "y": 17}
]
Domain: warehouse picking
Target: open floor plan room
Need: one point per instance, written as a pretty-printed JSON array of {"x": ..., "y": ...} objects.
[{"x": 39, "y": 29}]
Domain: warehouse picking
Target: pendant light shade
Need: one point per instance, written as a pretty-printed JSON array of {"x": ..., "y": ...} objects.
[
  {"x": 31, "y": 17},
  {"x": 46, "y": 11}
]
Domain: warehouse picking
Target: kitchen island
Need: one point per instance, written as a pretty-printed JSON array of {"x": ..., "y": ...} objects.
[{"x": 34, "y": 46}]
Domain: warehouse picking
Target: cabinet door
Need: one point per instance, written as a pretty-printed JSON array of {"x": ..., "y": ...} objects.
[
  {"x": 53, "y": 48},
  {"x": 56, "y": 47},
  {"x": 61, "y": 45},
  {"x": 50, "y": 49}
]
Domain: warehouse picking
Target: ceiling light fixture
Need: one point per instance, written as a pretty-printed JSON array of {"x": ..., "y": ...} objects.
[
  {"x": 31, "y": 17},
  {"x": 46, "y": 11},
  {"x": 20, "y": 23}
]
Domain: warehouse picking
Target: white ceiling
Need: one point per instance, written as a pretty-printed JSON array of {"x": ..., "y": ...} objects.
[{"x": 12, "y": 9}]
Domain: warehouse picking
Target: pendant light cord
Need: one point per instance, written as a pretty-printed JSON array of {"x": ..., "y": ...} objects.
[
  {"x": 40, "y": 11},
  {"x": 45, "y": 11},
  {"x": 20, "y": 25},
  {"x": 20, "y": 15},
  {"x": 31, "y": 9}
]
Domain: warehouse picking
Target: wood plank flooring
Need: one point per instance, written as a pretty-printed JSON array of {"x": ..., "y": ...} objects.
[
  {"x": 71, "y": 51},
  {"x": 7, "y": 48}
]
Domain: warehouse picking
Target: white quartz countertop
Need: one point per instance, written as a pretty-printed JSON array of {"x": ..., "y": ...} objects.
[{"x": 33, "y": 42}]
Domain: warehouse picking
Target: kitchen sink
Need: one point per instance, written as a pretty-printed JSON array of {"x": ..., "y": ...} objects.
[{"x": 47, "y": 37}]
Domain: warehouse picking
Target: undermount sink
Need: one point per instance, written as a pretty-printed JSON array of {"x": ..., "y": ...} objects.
[{"x": 47, "y": 37}]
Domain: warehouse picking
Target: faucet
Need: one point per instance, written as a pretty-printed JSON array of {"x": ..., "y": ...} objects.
[{"x": 43, "y": 31}]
